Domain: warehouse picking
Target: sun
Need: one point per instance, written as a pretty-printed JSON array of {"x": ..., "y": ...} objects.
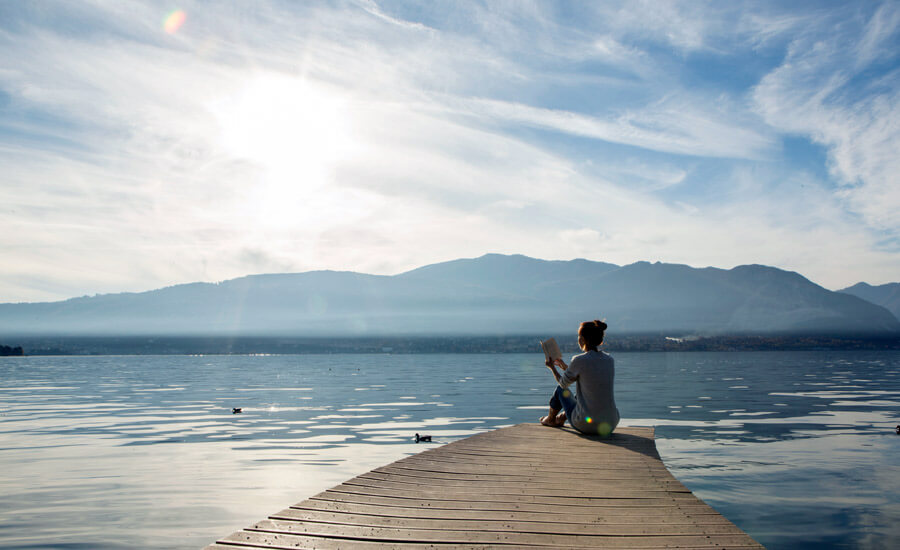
[{"x": 294, "y": 130}]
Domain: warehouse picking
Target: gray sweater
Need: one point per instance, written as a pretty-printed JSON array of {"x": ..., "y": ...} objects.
[{"x": 593, "y": 373}]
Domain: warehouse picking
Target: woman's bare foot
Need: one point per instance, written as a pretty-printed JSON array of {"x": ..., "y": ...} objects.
[
  {"x": 551, "y": 418},
  {"x": 560, "y": 419}
]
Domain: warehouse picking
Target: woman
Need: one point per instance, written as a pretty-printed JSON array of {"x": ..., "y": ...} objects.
[{"x": 593, "y": 409}]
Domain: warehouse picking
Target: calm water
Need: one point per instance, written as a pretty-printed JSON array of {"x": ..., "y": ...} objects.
[{"x": 796, "y": 448}]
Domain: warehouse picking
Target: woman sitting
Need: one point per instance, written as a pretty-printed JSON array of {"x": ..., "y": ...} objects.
[{"x": 592, "y": 410}]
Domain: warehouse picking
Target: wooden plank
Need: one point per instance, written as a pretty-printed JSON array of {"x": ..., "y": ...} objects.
[
  {"x": 431, "y": 495},
  {"x": 517, "y": 451},
  {"x": 336, "y": 544},
  {"x": 506, "y": 456},
  {"x": 549, "y": 471},
  {"x": 589, "y": 460},
  {"x": 345, "y": 535},
  {"x": 541, "y": 483},
  {"x": 463, "y": 504},
  {"x": 560, "y": 475},
  {"x": 526, "y": 486},
  {"x": 619, "y": 528},
  {"x": 547, "y": 489},
  {"x": 247, "y": 539},
  {"x": 515, "y": 470},
  {"x": 477, "y": 535},
  {"x": 530, "y": 444},
  {"x": 418, "y": 476},
  {"x": 660, "y": 514}
]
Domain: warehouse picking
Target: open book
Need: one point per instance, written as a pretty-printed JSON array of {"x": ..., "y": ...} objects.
[{"x": 551, "y": 349}]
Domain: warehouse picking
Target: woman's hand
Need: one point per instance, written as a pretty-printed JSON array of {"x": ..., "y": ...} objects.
[
  {"x": 561, "y": 364},
  {"x": 551, "y": 364}
]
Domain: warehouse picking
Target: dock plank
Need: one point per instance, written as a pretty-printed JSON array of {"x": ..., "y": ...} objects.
[
  {"x": 613, "y": 514},
  {"x": 525, "y": 486},
  {"x": 621, "y": 528},
  {"x": 464, "y": 504}
]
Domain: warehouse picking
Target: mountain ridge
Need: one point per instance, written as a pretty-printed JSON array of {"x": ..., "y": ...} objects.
[
  {"x": 492, "y": 294},
  {"x": 886, "y": 295}
]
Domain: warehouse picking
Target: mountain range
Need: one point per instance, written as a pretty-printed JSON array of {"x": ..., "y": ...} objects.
[
  {"x": 493, "y": 294},
  {"x": 887, "y": 295}
]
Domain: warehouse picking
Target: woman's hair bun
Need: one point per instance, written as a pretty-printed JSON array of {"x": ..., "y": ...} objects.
[{"x": 592, "y": 332}]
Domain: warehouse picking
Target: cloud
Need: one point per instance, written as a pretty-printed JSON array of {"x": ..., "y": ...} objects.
[
  {"x": 643, "y": 175},
  {"x": 672, "y": 126},
  {"x": 683, "y": 25},
  {"x": 824, "y": 90}
]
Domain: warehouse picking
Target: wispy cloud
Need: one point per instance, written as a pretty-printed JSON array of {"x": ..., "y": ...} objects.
[
  {"x": 671, "y": 126},
  {"x": 840, "y": 85}
]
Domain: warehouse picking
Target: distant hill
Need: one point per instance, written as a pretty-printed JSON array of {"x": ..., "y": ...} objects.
[
  {"x": 887, "y": 296},
  {"x": 493, "y": 294}
]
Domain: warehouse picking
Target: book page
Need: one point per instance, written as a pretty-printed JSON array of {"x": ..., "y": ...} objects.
[{"x": 551, "y": 349}]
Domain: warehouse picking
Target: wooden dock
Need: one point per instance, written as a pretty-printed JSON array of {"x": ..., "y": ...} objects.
[{"x": 526, "y": 486}]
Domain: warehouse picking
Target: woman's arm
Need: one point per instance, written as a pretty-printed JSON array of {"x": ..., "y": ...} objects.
[
  {"x": 569, "y": 374},
  {"x": 552, "y": 366}
]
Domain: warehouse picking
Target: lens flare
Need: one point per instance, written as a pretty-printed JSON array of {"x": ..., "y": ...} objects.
[
  {"x": 604, "y": 429},
  {"x": 589, "y": 419},
  {"x": 174, "y": 21}
]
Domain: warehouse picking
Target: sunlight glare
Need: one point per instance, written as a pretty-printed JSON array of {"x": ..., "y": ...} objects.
[{"x": 293, "y": 130}]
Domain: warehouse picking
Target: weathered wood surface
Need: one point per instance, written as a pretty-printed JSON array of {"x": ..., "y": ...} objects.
[{"x": 526, "y": 486}]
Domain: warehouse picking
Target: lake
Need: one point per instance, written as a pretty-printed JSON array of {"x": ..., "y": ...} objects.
[{"x": 108, "y": 452}]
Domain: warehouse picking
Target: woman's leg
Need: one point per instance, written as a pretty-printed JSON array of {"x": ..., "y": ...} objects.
[
  {"x": 566, "y": 402},
  {"x": 561, "y": 400},
  {"x": 555, "y": 406}
]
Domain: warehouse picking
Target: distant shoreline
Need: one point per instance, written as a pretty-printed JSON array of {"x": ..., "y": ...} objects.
[
  {"x": 10, "y": 351},
  {"x": 286, "y": 345}
]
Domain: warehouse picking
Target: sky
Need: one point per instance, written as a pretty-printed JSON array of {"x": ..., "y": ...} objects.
[{"x": 145, "y": 144}]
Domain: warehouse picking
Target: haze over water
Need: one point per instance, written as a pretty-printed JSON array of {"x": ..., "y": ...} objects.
[{"x": 797, "y": 448}]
